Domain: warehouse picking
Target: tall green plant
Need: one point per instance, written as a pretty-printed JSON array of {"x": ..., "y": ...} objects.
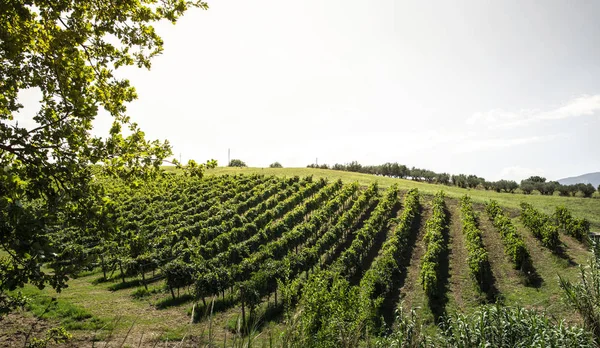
[
  {"x": 497, "y": 326},
  {"x": 407, "y": 333},
  {"x": 584, "y": 296}
]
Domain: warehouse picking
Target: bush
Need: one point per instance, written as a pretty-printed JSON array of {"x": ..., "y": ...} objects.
[
  {"x": 275, "y": 165},
  {"x": 237, "y": 163}
]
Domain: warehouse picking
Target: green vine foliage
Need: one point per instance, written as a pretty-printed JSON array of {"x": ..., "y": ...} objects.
[
  {"x": 436, "y": 245},
  {"x": 514, "y": 246},
  {"x": 541, "y": 226},
  {"x": 572, "y": 226},
  {"x": 379, "y": 281},
  {"x": 268, "y": 278},
  {"x": 477, "y": 257},
  {"x": 351, "y": 259}
]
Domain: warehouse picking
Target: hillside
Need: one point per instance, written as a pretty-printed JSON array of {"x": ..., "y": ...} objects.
[
  {"x": 582, "y": 207},
  {"x": 589, "y": 178},
  {"x": 218, "y": 248}
]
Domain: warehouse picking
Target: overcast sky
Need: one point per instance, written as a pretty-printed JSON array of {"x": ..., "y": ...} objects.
[{"x": 502, "y": 90}]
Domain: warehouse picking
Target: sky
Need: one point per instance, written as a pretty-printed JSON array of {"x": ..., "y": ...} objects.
[{"x": 504, "y": 89}]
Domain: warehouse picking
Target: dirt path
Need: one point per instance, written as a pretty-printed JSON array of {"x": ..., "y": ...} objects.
[
  {"x": 411, "y": 292},
  {"x": 462, "y": 292},
  {"x": 577, "y": 250},
  {"x": 506, "y": 277}
]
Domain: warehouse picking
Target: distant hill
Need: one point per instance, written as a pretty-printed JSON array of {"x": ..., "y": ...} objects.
[{"x": 590, "y": 178}]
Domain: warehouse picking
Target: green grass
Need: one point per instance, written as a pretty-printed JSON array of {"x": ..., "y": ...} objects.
[
  {"x": 588, "y": 208},
  {"x": 72, "y": 317},
  {"x": 93, "y": 308}
]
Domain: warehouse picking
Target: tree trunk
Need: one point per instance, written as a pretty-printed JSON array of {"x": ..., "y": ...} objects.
[
  {"x": 103, "y": 265},
  {"x": 243, "y": 317},
  {"x": 144, "y": 279},
  {"x": 204, "y": 302},
  {"x": 172, "y": 292},
  {"x": 275, "y": 297},
  {"x": 122, "y": 274}
]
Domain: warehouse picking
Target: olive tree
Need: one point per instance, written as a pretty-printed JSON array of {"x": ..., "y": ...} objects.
[
  {"x": 237, "y": 163},
  {"x": 69, "y": 51}
]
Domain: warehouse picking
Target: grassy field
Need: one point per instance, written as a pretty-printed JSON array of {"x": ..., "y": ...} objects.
[{"x": 581, "y": 207}]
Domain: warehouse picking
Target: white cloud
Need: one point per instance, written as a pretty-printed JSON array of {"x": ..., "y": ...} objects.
[
  {"x": 581, "y": 106},
  {"x": 482, "y": 144}
]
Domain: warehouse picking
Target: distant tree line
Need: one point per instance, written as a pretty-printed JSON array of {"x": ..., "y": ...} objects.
[
  {"x": 549, "y": 187},
  {"x": 527, "y": 186}
]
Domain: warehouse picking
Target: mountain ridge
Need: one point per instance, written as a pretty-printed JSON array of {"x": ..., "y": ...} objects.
[{"x": 589, "y": 178}]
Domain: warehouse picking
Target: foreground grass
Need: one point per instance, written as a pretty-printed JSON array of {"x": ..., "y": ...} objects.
[
  {"x": 581, "y": 207},
  {"x": 94, "y": 312}
]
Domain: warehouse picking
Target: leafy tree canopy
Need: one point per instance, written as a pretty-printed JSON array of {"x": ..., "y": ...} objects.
[
  {"x": 275, "y": 165},
  {"x": 237, "y": 163},
  {"x": 69, "y": 51},
  {"x": 538, "y": 179}
]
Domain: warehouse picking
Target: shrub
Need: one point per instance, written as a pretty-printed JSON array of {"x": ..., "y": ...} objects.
[{"x": 275, "y": 165}]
